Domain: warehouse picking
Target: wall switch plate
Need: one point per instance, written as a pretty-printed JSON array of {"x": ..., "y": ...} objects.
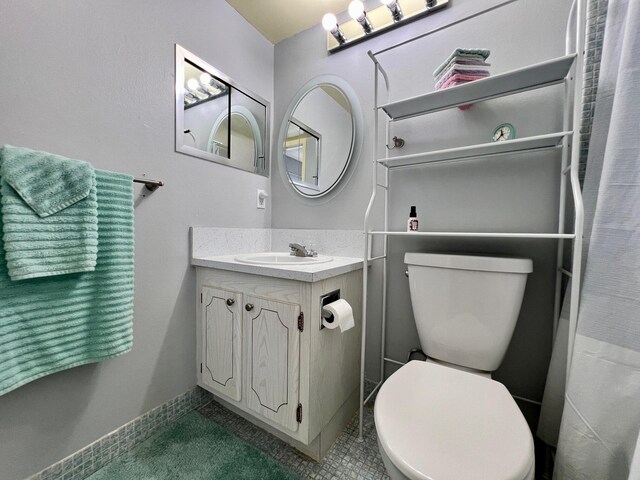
[{"x": 261, "y": 199}]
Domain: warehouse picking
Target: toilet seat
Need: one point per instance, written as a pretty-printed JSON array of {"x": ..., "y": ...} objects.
[{"x": 438, "y": 423}]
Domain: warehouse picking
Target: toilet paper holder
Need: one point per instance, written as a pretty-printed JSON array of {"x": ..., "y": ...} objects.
[{"x": 326, "y": 299}]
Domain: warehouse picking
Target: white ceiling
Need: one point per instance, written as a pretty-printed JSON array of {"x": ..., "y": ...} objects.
[{"x": 280, "y": 19}]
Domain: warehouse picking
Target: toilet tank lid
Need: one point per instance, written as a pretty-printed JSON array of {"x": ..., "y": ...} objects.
[{"x": 479, "y": 262}]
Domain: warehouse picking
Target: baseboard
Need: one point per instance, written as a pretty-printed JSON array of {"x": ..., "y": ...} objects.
[{"x": 93, "y": 457}]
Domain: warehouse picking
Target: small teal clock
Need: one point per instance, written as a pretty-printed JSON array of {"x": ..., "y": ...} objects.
[{"x": 504, "y": 131}]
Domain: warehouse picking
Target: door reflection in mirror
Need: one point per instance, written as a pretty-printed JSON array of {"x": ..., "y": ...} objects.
[{"x": 302, "y": 154}]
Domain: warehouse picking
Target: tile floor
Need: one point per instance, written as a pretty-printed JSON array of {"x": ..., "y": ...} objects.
[{"x": 347, "y": 458}]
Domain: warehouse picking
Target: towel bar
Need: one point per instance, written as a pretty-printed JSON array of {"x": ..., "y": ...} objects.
[{"x": 151, "y": 185}]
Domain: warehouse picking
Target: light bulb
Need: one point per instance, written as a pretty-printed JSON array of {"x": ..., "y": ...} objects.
[
  {"x": 356, "y": 9},
  {"x": 329, "y": 22},
  {"x": 192, "y": 84},
  {"x": 388, "y": 2},
  {"x": 205, "y": 79}
]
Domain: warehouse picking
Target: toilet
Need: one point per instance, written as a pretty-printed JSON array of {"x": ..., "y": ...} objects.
[{"x": 446, "y": 419}]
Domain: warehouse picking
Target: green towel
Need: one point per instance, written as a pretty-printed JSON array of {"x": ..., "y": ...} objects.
[
  {"x": 47, "y": 182},
  {"x": 54, "y": 323},
  {"x": 50, "y": 213}
]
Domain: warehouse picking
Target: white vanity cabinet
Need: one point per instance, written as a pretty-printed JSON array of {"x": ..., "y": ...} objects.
[{"x": 262, "y": 353}]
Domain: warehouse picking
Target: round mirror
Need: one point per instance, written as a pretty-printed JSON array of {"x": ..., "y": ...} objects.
[{"x": 320, "y": 137}]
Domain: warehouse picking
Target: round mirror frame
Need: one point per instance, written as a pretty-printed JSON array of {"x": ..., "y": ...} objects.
[{"x": 357, "y": 122}]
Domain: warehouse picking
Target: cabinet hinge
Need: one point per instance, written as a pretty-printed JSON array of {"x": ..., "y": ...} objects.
[
  {"x": 299, "y": 413},
  {"x": 200, "y": 297},
  {"x": 200, "y": 368},
  {"x": 301, "y": 322}
]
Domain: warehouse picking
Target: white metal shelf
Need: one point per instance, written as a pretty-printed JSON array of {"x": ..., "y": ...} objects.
[
  {"x": 483, "y": 150},
  {"x": 552, "y": 72},
  {"x": 539, "y": 75},
  {"x": 474, "y": 234}
]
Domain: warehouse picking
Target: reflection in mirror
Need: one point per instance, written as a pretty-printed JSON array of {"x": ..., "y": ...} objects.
[
  {"x": 302, "y": 154},
  {"x": 216, "y": 120},
  {"x": 319, "y": 138}
]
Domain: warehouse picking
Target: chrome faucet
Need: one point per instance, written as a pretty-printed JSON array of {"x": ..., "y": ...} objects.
[{"x": 301, "y": 251}]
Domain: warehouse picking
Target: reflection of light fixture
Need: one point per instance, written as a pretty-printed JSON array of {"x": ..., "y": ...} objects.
[
  {"x": 209, "y": 84},
  {"x": 364, "y": 25},
  {"x": 189, "y": 97},
  {"x": 195, "y": 89},
  {"x": 330, "y": 24},
  {"x": 356, "y": 11},
  {"x": 192, "y": 84},
  {"x": 394, "y": 8}
]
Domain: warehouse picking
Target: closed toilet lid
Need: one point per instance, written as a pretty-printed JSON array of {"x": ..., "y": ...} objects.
[{"x": 438, "y": 423}]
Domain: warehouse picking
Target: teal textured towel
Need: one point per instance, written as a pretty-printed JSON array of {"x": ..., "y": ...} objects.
[
  {"x": 50, "y": 213},
  {"x": 47, "y": 182},
  {"x": 53, "y": 323}
]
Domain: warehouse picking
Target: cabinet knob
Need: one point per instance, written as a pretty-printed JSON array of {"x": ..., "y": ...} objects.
[
  {"x": 248, "y": 307},
  {"x": 230, "y": 301}
]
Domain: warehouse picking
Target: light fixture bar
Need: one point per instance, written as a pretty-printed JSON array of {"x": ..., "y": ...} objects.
[
  {"x": 366, "y": 24},
  {"x": 394, "y": 9}
]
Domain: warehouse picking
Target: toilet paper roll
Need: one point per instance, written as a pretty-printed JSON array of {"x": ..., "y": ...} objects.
[{"x": 342, "y": 315}]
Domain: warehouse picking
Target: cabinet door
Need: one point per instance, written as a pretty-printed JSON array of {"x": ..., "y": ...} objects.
[
  {"x": 222, "y": 337},
  {"x": 272, "y": 366}
]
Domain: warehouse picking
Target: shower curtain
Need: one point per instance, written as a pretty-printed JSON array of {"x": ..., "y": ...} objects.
[{"x": 598, "y": 436}]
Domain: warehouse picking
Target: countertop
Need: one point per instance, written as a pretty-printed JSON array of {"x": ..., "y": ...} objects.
[{"x": 303, "y": 273}]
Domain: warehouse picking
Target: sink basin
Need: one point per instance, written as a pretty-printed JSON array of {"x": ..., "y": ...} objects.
[{"x": 280, "y": 258}]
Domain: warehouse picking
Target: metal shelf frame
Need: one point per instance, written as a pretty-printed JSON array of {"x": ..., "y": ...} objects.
[{"x": 571, "y": 77}]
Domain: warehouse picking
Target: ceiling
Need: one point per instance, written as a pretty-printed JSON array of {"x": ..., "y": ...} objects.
[{"x": 280, "y": 19}]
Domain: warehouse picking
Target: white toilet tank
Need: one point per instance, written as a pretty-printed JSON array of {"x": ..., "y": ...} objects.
[{"x": 466, "y": 306}]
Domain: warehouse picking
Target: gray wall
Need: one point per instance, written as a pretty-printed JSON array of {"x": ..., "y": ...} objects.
[
  {"x": 516, "y": 193},
  {"x": 94, "y": 80}
]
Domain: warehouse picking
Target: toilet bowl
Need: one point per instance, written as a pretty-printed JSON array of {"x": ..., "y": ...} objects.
[
  {"x": 440, "y": 423},
  {"x": 448, "y": 420}
]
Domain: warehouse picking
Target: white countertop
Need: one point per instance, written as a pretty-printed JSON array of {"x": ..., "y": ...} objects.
[{"x": 303, "y": 273}]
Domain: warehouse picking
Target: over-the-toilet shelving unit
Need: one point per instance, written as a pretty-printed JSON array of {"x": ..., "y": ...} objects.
[{"x": 566, "y": 70}]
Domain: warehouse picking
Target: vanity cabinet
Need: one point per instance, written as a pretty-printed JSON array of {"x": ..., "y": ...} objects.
[{"x": 263, "y": 354}]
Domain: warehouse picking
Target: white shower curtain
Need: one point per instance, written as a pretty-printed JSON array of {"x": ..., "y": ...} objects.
[{"x": 598, "y": 436}]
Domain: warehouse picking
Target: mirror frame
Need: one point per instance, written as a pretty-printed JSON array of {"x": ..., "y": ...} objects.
[
  {"x": 182, "y": 54},
  {"x": 357, "y": 122}
]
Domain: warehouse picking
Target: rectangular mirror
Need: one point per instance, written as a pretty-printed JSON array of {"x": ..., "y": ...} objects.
[{"x": 216, "y": 119}]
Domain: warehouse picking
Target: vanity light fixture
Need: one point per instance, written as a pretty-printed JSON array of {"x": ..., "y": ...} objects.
[
  {"x": 366, "y": 24},
  {"x": 330, "y": 24},
  {"x": 394, "y": 9},
  {"x": 357, "y": 12}
]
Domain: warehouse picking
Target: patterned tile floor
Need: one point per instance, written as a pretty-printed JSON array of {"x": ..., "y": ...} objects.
[{"x": 347, "y": 458}]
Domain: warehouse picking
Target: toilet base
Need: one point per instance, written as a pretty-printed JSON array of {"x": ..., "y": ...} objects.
[{"x": 392, "y": 470}]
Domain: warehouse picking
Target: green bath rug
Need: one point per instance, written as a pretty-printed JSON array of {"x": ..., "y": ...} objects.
[{"x": 194, "y": 448}]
